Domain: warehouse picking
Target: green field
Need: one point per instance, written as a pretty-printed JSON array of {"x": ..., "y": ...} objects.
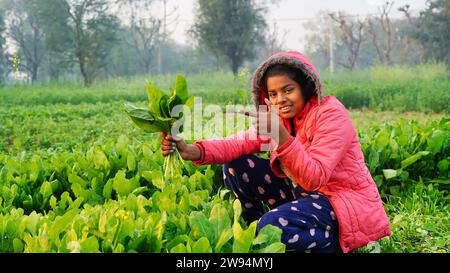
[{"x": 77, "y": 175}]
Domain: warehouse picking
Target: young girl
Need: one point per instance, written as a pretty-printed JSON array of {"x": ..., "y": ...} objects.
[{"x": 316, "y": 182}]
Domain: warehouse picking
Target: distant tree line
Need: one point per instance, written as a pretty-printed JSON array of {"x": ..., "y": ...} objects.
[
  {"x": 88, "y": 39},
  {"x": 380, "y": 39}
]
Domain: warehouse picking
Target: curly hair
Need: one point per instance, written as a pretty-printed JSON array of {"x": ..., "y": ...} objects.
[{"x": 307, "y": 85}]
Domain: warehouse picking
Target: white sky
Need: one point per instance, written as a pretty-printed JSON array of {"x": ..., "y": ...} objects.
[{"x": 290, "y": 15}]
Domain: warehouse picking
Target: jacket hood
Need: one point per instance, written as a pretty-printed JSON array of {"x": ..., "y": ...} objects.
[{"x": 293, "y": 59}]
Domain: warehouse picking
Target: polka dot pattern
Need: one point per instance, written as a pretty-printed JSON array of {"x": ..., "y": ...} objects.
[
  {"x": 305, "y": 218},
  {"x": 261, "y": 190},
  {"x": 283, "y": 221},
  {"x": 294, "y": 239},
  {"x": 312, "y": 245},
  {"x": 333, "y": 216},
  {"x": 251, "y": 164},
  {"x": 316, "y": 206},
  {"x": 245, "y": 178}
]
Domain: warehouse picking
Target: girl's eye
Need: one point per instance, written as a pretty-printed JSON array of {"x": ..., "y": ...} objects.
[
  {"x": 289, "y": 90},
  {"x": 272, "y": 95}
]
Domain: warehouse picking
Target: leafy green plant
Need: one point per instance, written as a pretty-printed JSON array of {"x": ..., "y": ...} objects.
[
  {"x": 158, "y": 117},
  {"x": 398, "y": 153},
  {"x": 77, "y": 176}
]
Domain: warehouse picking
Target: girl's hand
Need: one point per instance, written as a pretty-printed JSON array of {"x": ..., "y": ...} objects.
[
  {"x": 187, "y": 151},
  {"x": 268, "y": 123}
]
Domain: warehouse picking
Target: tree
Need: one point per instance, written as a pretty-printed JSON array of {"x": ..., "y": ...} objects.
[
  {"x": 351, "y": 37},
  {"x": 86, "y": 30},
  {"x": 433, "y": 30},
  {"x": 25, "y": 31},
  {"x": 145, "y": 40},
  {"x": 273, "y": 43},
  {"x": 318, "y": 39},
  {"x": 169, "y": 18},
  {"x": 230, "y": 28},
  {"x": 405, "y": 40},
  {"x": 54, "y": 23},
  {"x": 144, "y": 31},
  {"x": 384, "y": 40},
  {"x": 3, "y": 54},
  {"x": 2, "y": 30}
]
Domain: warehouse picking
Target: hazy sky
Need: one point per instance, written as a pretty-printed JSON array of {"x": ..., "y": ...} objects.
[{"x": 290, "y": 15}]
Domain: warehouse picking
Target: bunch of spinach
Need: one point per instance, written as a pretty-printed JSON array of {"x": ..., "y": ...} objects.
[{"x": 157, "y": 117}]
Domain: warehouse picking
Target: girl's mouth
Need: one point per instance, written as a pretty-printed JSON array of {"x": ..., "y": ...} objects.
[{"x": 285, "y": 109}]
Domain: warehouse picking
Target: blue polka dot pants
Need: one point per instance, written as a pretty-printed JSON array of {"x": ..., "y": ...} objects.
[{"x": 306, "y": 218}]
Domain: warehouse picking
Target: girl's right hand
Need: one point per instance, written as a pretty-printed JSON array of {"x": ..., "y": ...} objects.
[
  {"x": 168, "y": 145},
  {"x": 187, "y": 151}
]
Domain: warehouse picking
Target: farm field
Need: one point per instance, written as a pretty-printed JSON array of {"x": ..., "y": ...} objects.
[{"x": 77, "y": 176}]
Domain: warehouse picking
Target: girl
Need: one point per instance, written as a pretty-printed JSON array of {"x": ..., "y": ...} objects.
[{"x": 316, "y": 182}]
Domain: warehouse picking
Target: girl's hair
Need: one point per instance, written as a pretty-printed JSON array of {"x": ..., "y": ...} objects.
[{"x": 307, "y": 86}]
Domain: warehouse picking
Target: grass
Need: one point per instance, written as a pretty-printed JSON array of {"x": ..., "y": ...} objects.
[
  {"x": 424, "y": 88},
  {"x": 209, "y": 86},
  {"x": 420, "y": 222},
  {"x": 363, "y": 119},
  {"x": 390, "y": 74}
]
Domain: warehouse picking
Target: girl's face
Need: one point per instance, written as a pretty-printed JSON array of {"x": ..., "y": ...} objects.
[{"x": 286, "y": 94}]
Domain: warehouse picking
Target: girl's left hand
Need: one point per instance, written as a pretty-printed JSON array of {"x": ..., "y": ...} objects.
[{"x": 268, "y": 122}]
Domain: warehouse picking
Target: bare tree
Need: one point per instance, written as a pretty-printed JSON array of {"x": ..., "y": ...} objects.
[
  {"x": 145, "y": 30},
  {"x": 169, "y": 21},
  {"x": 273, "y": 43},
  {"x": 351, "y": 37},
  {"x": 406, "y": 10},
  {"x": 382, "y": 40},
  {"x": 411, "y": 44},
  {"x": 145, "y": 40},
  {"x": 315, "y": 40},
  {"x": 25, "y": 31},
  {"x": 4, "y": 56}
]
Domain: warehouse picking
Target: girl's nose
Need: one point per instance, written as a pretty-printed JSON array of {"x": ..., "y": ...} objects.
[{"x": 281, "y": 98}]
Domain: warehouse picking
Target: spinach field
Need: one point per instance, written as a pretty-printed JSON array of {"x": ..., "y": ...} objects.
[{"x": 77, "y": 176}]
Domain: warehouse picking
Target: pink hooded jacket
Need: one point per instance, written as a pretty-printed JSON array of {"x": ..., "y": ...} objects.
[{"x": 324, "y": 156}]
